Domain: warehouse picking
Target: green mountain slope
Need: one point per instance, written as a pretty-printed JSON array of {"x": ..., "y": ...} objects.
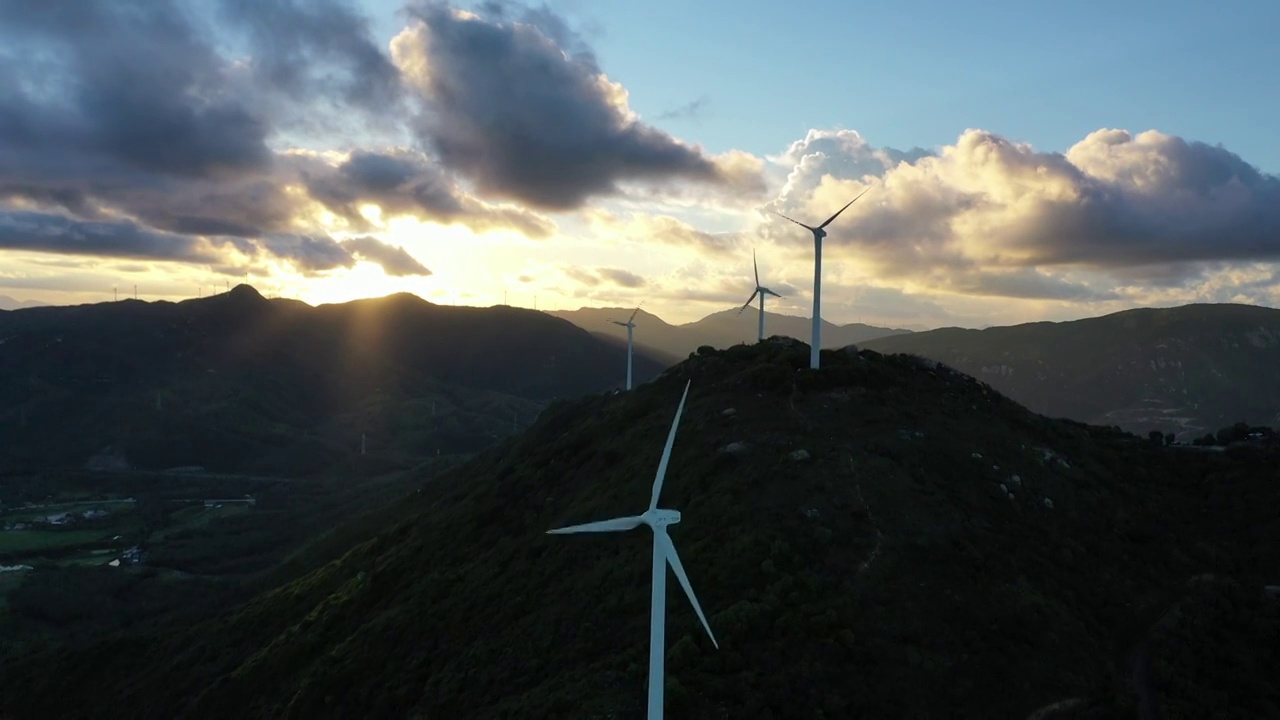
[
  {"x": 1187, "y": 370},
  {"x": 884, "y": 538},
  {"x": 236, "y": 382}
]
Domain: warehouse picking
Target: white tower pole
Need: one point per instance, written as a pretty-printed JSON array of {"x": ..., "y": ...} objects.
[
  {"x": 630, "y": 339},
  {"x": 817, "y": 301},
  {"x": 657, "y": 627},
  {"x": 761, "y": 332}
]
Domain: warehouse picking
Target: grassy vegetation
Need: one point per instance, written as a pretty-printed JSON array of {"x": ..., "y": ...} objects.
[
  {"x": 883, "y": 573},
  {"x": 22, "y": 542}
]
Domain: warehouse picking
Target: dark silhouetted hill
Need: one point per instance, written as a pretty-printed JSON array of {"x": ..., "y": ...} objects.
[
  {"x": 236, "y": 382},
  {"x": 1186, "y": 370},
  {"x": 884, "y": 538}
]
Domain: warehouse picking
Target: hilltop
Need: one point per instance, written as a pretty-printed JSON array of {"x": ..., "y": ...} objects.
[
  {"x": 884, "y": 538},
  {"x": 237, "y": 382},
  {"x": 719, "y": 330},
  {"x": 1186, "y": 370}
]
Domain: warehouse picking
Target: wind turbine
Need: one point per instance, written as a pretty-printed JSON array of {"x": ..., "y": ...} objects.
[
  {"x": 818, "y": 234},
  {"x": 760, "y": 291},
  {"x": 664, "y": 553},
  {"x": 630, "y": 325}
]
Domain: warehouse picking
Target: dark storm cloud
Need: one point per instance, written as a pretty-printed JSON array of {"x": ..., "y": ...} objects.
[
  {"x": 407, "y": 183},
  {"x": 1028, "y": 284},
  {"x": 43, "y": 232},
  {"x": 395, "y": 261},
  {"x": 128, "y": 81},
  {"x": 508, "y": 109},
  {"x": 309, "y": 254},
  {"x": 316, "y": 48}
]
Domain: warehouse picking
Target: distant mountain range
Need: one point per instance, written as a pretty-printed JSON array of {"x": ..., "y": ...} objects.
[
  {"x": 719, "y": 330},
  {"x": 8, "y": 303},
  {"x": 239, "y": 382},
  {"x": 1187, "y": 370}
]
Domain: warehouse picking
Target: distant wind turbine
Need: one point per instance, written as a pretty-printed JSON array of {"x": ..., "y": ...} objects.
[
  {"x": 664, "y": 553},
  {"x": 630, "y": 325},
  {"x": 760, "y": 291},
  {"x": 818, "y": 234}
]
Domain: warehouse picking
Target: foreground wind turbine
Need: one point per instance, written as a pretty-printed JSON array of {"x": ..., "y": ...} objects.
[
  {"x": 630, "y": 325},
  {"x": 818, "y": 234},
  {"x": 761, "y": 292},
  {"x": 664, "y": 553}
]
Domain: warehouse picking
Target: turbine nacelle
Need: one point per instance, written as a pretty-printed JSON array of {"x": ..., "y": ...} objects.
[{"x": 658, "y": 517}]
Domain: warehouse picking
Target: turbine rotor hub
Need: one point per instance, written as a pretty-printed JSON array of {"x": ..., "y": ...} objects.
[{"x": 660, "y": 518}]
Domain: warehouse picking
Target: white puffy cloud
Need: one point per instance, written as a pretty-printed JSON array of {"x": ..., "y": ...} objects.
[{"x": 990, "y": 216}]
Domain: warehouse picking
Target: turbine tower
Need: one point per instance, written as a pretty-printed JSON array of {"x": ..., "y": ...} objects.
[
  {"x": 760, "y": 291},
  {"x": 818, "y": 234},
  {"x": 664, "y": 553},
  {"x": 630, "y": 325}
]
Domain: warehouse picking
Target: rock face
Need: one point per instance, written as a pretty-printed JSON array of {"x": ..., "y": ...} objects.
[{"x": 1188, "y": 371}]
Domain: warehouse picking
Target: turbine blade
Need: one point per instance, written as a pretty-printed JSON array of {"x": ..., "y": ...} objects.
[
  {"x": 846, "y": 207},
  {"x": 666, "y": 451},
  {"x": 747, "y": 304},
  {"x": 770, "y": 292},
  {"x": 633, "y": 314},
  {"x": 673, "y": 559},
  {"x": 615, "y": 525},
  {"x": 784, "y": 217},
  {"x": 756, "y": 266}
]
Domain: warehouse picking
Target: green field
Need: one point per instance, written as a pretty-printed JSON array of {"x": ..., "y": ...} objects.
[
  {"x": 8, "y": 581},
  {"x": 14, "y": 541},
  {"x": 197, "y": 517},
  {"x": 23, "y": 514}
]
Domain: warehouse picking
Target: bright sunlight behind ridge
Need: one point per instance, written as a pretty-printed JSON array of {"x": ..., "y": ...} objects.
[{"x": 1023, "y": 162}]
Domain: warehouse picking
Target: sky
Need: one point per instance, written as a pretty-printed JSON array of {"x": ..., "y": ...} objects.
[{"x": 1021, "y": 161}]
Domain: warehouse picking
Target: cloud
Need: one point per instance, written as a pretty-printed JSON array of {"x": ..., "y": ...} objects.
[
  {"x": 603, "y": 276},
  {"x": 42, "y": 232},
  {"x": 403, "y": 182},
  {"x": 991, "y": 216},
  {"x": 126, "y": 112},
  {"x": 316, "y": 49},
  {"x": 520, "y": 107},
  {"x": 621, "y": 278},
  {"x": 658, "y": 228},
  {"x": 395, "y": 261},
  {"x": 125, "y": 83},
  {"x": 688, "y": 110},
  {"x": 309, "y": 254}
]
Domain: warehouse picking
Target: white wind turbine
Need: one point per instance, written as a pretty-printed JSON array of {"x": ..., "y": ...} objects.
[
  {"x": 664, "y": 553},
  {"x": 630, "y": 325},
  {"x": 760, "y": 291},
  {"x": 818, "y": 234}
]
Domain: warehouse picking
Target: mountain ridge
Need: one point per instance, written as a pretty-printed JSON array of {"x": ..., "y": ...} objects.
[
  {"x": 719, "y": 330},
  {"x": 884, "y": 525},
  {"x": 1187, "y": 370},
  {"x": 241, "y": 376}
]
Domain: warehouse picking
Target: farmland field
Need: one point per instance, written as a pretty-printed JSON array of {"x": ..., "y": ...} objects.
[{"x": 33, "y": 541}]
